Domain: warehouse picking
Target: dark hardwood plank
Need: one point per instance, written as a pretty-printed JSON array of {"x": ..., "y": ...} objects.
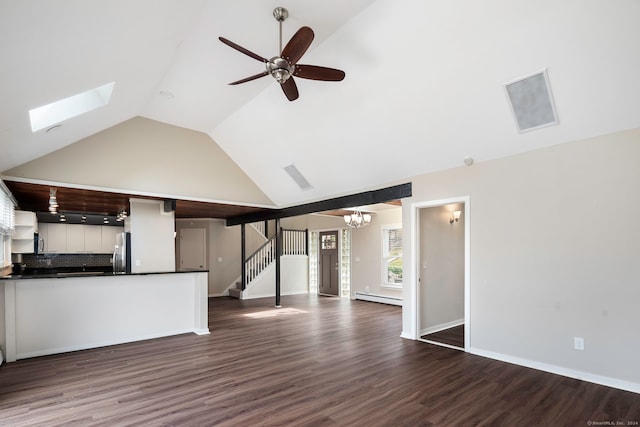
[
  {"x": 452, "y": 336},
  {"x": 315, "y": 362}
]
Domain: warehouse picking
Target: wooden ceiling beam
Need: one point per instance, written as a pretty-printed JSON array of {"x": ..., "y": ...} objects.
[{"x": 360, "y": 199}]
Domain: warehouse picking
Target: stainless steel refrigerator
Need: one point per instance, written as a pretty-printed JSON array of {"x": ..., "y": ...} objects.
[{"x": 122, "y": 253}]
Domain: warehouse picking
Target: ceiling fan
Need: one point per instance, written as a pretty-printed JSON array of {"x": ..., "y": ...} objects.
[{"x": 285, "y": 66}]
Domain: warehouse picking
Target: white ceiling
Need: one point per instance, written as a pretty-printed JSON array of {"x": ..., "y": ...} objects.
[{"x": 423, "y": 87}]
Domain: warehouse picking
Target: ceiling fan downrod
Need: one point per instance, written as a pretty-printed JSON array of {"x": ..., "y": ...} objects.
[
  {"x": 279, "y": 68},
  {"x": 280, "y": 13}
]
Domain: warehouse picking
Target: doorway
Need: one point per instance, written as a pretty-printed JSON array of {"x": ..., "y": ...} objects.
[
  {"x": 328, "y": 283},
  {"x": 442, "y": 273}
]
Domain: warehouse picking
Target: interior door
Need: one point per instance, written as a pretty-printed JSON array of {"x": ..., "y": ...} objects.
[
  {"x": 329, "y": 265},
  {"x": 193, "y": 248}
]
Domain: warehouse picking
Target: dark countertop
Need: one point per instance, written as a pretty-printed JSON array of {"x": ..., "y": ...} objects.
[{"x": 66, "y": 274}]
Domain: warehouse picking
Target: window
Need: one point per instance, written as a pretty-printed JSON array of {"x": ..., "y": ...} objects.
[
  {"x": 392, "y": 269},
  {"x": 64, "y": 109},
  {"x": 7, "y": 221}
]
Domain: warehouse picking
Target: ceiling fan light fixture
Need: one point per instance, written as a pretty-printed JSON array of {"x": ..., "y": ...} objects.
[
  {"x": 285, "y": 66},
  {"x": 280, "y": 69}
]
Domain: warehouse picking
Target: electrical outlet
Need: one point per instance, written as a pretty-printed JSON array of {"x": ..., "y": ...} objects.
[
  {"x": 578, "y": 343},
  {"x": 138, "y": 263}
]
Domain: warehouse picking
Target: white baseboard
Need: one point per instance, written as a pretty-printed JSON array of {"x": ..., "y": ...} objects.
[
  {"x": 363, "y": 296},
  {"x": 441, "y": 327},
  {"x": 219, "y": 294},
  {"x": 559, "y": 370}
]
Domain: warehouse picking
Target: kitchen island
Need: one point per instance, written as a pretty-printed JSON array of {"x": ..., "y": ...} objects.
[{"x": 49, "y": 314}]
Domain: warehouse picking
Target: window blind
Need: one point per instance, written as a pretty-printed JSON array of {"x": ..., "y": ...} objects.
[{"x": 7, "y": 212}]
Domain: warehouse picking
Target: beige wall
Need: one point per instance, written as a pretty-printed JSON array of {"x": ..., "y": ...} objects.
[
  {"x": 144, "y": 156},
  {"x": 223, "y": 251},
  {"x": 441, "y": 267},
  {"x": 313, "y": 222},
  {"x": 152, "y": 237},
  {"x": 554, "y": 246},
  {"x": 366, "y": 254}
]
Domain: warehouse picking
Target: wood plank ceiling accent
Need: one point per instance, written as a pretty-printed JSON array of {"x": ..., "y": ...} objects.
[{"x": 35, "y": 197}]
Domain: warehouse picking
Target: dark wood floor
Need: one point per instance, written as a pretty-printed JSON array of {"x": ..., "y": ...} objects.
[
  {"x": 452, "y": 336},
  {"x": 317, "y": 361}
]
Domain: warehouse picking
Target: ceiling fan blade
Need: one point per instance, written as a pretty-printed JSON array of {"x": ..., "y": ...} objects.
[
  {"x": 314, "y": 72},
  {"x": 241, "y": 49},
  {"x": 298, "y": 45},
  {"x": 248, "y": 79},
  {"x": 290, "y": 89}
]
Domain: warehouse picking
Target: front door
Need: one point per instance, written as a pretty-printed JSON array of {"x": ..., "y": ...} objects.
[{"x": 329, "y": 267}]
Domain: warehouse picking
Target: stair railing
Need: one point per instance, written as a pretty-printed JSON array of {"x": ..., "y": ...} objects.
[
  {"x": 294, "y": 242},
  {"x": 258, "y": 261}
]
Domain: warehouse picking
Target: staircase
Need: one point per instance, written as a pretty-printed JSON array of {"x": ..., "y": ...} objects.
[
  {"x": 294, "y": 242},
  {"x": 255, "y": 264}
]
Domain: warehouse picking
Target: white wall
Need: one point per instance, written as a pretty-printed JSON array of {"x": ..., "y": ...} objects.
[
  {"x": 554, "y": 247},
  {"x": 366, "y": 254},
  {"x": 152, "y": 237},
  {"x": 294, "y": 279}
]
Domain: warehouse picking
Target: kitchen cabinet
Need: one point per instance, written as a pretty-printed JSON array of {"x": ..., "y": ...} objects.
[
  {"x": 26, "y": 224},
  {"x": 93, "y": 238},
  {"x": 109, "y": 238},
  {"x": 78, "y": 238},
  {"x": 75, "y": 238},
  {"x": 55, "y": 238}
]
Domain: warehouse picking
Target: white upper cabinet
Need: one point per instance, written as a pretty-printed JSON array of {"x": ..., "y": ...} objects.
[
  {"x": 93, "y": 238},
  {"x": 22, "y": 239},
  {"x": 56, "y": 239},
  {"x": 77, "y": 238},
  {"x": 109, "y": 238}
]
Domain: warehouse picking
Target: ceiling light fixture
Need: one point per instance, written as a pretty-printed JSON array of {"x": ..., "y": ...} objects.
[
  {"x": 122, "y": 214},
  {"x": 357, "y": 219},
  {"x": 53, "y": 201}
]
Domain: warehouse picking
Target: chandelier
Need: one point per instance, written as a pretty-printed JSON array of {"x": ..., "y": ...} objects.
[{"x": 357, "y": 219}]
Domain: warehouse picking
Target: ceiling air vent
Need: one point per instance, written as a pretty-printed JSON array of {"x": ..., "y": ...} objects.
[
  {"x": 531, "y": 101},
  {"x": 295, "y": 174}
]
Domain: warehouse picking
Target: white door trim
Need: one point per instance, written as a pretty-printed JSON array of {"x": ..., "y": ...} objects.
[{"x": 415, "y": 256}]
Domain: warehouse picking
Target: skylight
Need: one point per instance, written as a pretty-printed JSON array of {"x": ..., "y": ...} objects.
[{"x": 67, "y": 108}]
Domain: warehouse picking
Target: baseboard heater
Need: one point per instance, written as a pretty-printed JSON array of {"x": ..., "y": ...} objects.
[{"x": 363, "y": 296}]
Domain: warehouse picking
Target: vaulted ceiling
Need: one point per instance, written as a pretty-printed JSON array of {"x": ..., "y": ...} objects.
[{"x": 424, "y": 84}]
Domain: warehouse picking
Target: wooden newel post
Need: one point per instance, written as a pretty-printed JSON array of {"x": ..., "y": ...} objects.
[
  {"x": 243, "y": 256},
  {"x": 278, "y": 253}
]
